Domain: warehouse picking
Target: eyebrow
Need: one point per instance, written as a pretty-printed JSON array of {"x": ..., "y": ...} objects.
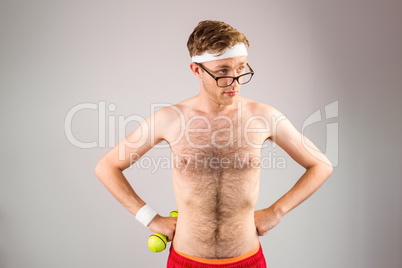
[{"x": 227, "y": 66}]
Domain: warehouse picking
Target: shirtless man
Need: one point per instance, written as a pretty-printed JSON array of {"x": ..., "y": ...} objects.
[{"x": 216, "y": 138}]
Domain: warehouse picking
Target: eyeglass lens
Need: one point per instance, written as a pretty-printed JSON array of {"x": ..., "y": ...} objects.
[{"x": 223, "y": 82}]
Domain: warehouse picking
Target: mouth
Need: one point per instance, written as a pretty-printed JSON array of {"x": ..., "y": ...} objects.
[{"x": 230, "y": 93}]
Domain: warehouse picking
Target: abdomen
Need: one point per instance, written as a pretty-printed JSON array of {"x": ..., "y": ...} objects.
[{"x": 216, "y": 211}]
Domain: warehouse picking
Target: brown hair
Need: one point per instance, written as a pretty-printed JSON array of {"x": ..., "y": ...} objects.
[{"x": 213, "y": 37}]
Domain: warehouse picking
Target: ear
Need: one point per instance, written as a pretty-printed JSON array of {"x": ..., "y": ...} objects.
[{"x": 196, "y": 69}]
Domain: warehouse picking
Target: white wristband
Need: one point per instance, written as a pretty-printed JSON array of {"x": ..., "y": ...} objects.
[{"x": 145, "y": 215}]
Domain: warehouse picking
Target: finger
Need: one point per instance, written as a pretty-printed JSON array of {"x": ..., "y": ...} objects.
[
  {"x": 174, "y": 232},
  {"x": 258, "y": 232},
  {"x": 170, "y": 237}
]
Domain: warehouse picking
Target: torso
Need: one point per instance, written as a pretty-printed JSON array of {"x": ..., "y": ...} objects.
[{"x": 216, "y": 181}]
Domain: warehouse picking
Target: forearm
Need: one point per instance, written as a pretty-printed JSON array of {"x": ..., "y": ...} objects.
[
  {"x": 308, "y": 183},
  {"x": 117, "y": 184}
]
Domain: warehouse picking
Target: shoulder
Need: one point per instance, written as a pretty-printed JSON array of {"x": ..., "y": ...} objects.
[
  {"x": 168, "y": 114},
  {"x": 170, "y": 119},
  {"x": 268, "y": 114},
  {"x": 259, "y": 108}
]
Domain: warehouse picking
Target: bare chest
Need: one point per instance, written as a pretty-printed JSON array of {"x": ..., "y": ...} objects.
[
  {"x": 217, "y": 146},
  {"x": 217, "y": 157}
]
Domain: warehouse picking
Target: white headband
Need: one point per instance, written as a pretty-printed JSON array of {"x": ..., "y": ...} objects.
[{"x": 235, "y": 51}]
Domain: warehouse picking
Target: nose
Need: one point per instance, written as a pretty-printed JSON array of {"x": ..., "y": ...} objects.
[{"x": 234, "y": 84}]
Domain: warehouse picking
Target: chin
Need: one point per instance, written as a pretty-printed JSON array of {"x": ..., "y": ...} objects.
[{"x": 229, "y": 101}]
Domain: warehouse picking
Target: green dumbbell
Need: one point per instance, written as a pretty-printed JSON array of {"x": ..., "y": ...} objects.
[{"x": 157, "y": 242}]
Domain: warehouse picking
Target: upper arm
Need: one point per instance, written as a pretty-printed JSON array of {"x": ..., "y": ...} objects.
[
  {"x": 299, "y": 147},
  {"x": 140, "y": 141}
]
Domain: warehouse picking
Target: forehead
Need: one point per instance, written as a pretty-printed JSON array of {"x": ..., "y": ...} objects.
[{"x": 229, "y": 62}]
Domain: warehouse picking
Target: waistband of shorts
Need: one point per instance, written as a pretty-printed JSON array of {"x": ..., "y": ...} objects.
[{"x": 219, "y": 261}]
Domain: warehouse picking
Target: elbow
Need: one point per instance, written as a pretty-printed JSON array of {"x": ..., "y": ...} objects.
[
  {"x": 324, "y": 169},
  {"x": 327, "y": 170},
  {"x": 329, "y": 167},
  {"x": 100, "y": 169}
]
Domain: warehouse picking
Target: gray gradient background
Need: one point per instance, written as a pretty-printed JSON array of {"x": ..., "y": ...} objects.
[{"x": 54, "y": 212}]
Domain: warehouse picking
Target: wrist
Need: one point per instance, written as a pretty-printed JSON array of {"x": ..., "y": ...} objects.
[
  {"x": 145, "y": 215},
  {"x": 153, "y": 221},
  {"x": 278, "y": 210}
]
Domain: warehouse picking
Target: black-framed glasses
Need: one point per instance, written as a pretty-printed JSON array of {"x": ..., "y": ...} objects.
[{"x": 225, "y": 81}]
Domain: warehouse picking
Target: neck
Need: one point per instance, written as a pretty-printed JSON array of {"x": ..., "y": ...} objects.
[{"x": 212, "y": 106}]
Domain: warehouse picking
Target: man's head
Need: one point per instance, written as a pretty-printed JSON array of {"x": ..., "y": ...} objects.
[
  {"x": 213, "y": 37},
  {"x": 217, "y": 50}
]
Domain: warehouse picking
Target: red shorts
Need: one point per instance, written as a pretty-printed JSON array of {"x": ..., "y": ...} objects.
[{"x": 252, "y": 259}]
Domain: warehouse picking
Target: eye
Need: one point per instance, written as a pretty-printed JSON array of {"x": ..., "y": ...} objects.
[
  {"x": 223, "y": 71},
  {"x": 241, "y": 68}
]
